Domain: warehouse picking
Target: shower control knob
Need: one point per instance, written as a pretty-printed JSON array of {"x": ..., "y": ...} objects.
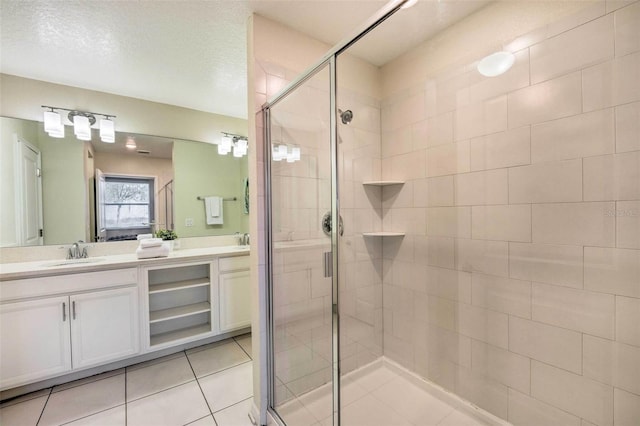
[{"x": 326, "y": 224}]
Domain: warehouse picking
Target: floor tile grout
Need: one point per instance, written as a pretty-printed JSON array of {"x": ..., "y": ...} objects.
[
  {"x": 44, "y": 406},
  {"x": 200, "y": 387}
]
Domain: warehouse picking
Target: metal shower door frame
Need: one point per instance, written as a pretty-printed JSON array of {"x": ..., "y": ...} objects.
[{"x": 329, "y": 59}]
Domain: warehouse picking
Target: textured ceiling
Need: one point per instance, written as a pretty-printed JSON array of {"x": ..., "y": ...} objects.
[{"x": 187, "y": 53}]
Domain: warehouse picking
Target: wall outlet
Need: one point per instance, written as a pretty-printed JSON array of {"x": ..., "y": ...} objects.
[{"x": 188, "y": 221}]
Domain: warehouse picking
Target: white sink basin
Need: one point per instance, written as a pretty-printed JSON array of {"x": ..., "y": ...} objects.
[{"x": 73, "y": 261}]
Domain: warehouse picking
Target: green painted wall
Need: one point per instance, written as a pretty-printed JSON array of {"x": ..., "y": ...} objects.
[
  {"x": 200, "y": 171},
  {"x": 64, "y": 191}
]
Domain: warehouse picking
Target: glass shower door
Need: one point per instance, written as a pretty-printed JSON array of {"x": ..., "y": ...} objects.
[{"x": 301, "y": 286}]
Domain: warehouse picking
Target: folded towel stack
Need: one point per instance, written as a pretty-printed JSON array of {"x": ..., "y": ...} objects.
[
  {"x": 144, "y": 236},
  {"x": 153, "y": 247}
]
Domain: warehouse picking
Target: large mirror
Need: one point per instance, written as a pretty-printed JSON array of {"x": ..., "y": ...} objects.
[{"x": 60, "y": 190}]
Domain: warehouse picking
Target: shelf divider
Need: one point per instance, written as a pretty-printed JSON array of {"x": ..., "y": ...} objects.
[
  {"x": 383, "y": 182},
  {"x": 178, "y": 285},
  {"x": 178, "y": 312}
]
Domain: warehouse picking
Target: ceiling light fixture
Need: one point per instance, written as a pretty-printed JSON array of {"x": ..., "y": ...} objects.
[
  {"x": 230, "y": 142},
  {"x": 408, "y": 4},
  {"x": 496, "y": 64},
  {"x": 81, "y": 121}
]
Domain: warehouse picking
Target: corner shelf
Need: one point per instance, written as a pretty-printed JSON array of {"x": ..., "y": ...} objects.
[
  {"x": 383, "y": 182},
  {"x": 383, "y": 234}
]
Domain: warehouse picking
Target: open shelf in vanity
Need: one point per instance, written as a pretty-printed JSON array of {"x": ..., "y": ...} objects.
[{"x": 179, "y": 301}]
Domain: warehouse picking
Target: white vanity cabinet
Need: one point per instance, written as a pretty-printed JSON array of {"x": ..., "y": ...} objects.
[
  {"x": 235, "y": 293},
  {"x": 36, "y": 340},
  {"x": 53, "y": 325}
]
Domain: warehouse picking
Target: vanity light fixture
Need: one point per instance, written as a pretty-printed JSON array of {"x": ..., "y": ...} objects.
[
  {"x": 496, "y": 64},
  {"x": 283, "y": 152},
  {"x": 230, "y": 142},
  {"x": 131, "y": 143},
  {"x": 81, "y": 121}
]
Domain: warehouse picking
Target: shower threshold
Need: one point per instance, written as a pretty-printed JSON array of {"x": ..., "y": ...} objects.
[{"x": 383, "y": 393}]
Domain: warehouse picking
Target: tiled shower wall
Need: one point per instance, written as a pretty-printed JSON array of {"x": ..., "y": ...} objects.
[{"x": 517, "y": 285}]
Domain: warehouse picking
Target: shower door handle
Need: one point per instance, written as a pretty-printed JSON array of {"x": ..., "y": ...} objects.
[{"x": 328, "y": 264}]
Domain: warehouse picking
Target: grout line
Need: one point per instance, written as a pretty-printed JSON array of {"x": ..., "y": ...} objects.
[
  {"x": 200, "y": 387},
  {"x": 243, "y": 350},
  {"x": 93, "y": 414},
  {"x": 44, "y": 406}
]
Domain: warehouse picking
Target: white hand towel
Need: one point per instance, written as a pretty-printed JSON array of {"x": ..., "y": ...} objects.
[
  {"x": 144, "y": 236},
  {"x": 162, "y": 250},
  {"x": 214, "y": 208},
  {"x": 150, "y": 242}
]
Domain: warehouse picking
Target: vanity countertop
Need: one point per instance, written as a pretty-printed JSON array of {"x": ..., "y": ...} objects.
[{"x": 13, "y": 271}]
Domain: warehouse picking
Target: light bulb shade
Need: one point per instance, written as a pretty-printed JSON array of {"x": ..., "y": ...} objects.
[
  {"x": 222, "y": 150},
  {"x": 243, "y": 144},
  {"x": 53, "y": 122},
  {"x": 82, "y": 127},
  {"x": 107, "y": 131},
  {"x": 227, "y": 143},
  {"x": 295, "y": 153},
  {"x": 496, "y": 64},
  {"x": 57, "y": 133},
  {"x": 275, "y": 153},
  {"x": 237, "y": 152},
  {"x": 131, "y": 144}
]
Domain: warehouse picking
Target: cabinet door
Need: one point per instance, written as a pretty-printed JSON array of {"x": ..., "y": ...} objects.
[
  {"x": 35, "y": 340},
  {"x": 104, "y": 326},
  {"x": 235, "y": 300}
]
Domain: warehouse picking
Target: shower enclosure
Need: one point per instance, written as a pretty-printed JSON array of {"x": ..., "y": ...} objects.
[{"x": 456, "y": 246}]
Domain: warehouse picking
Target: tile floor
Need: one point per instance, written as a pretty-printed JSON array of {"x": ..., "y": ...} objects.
[
  {"x": 205, "y": 386},
  {"x": 378, "y": 396}
]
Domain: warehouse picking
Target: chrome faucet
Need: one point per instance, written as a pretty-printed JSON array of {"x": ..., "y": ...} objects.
[
  {"x": 245, "y": 239},
  {"x": 77, "y": 252}
]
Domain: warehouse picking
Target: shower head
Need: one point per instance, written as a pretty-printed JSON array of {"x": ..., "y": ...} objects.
[{"x": 346, "y": 116}]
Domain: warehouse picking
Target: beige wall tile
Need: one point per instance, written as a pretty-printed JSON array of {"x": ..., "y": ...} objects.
[
  {"x": 408, "y": 220},
  {"x": 393, "y": 142},
  {"x": 448, "y": 283},
  {"x": 503, "y": 223},
  {"x": 485, "y": 393},
  {"x": 502, "y": 294},
  {"x": 481, "y": 118},
  {"x": 448, "y": 159},
  {"x": 612, "y": 363},
  {"x": 557, "y": 98},
  {"x": 611, "y": 83},
  {"x": 449, "y": 222},
  {"x": 612, "y": 177},
  {"x": 433, "y": 192},
  {"x": 573, "y": 393},
  {"x": 486, "y": 187},
  {"x": 553, "y": 345},
  {"x": 626, "y": 408},
  {"x": 435, "y": 251},
  {"x": 442, "y": 312},
  {"x": 580, "y": 310},
  {"x": 448, "y": 346},
  {"x": 617, "y": 4},
  {"x": 628, "y": 320},
  {"x": 555, "y": 181},
  {"x": 483, "y": 324},
  {"x": 583, "y": 135},
  {"x": 585, "y": 14},
  {"x": 628, "y": 127},
  {"x": 489, "y": 257},
  {"x": 406, "y": 111},
  {"x": 627, "y": 22},
  {"x": 439, "y": 130},
  {"x": 573, "y": 223},
  {"x": 394, "y": 196},
  {"x": 504, "y": 149},
  {"x": 554, "y": 264},
  {"x": 628, "y": 224},
  {"x": 575, "y": 49},
  {"x": 614, "y": 271},
  {"x": 408, "y": 166},
  {"x": 527, "y": 411}
]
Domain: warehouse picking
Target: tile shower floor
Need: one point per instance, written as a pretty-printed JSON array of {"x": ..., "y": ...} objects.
[
  {"x": 204, "y": 386},
  {"x": 380, "y": 395}
]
